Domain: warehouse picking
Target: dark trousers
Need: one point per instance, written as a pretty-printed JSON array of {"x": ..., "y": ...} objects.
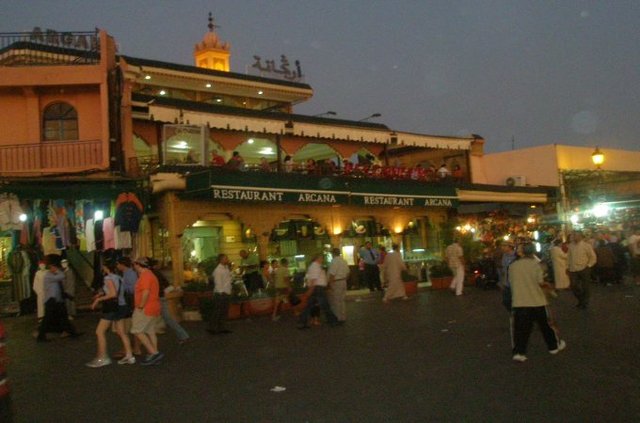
[
  {"x": 372, "y": 277},
  {"x": 253, "y": 282},
  {"x": 220, "y": 311},
  {"x": 318, "y": 298},
  {"x": 55, "y": 319},
  {"x": 580, "y": 282},
  {"x": 523, "y": 319}
]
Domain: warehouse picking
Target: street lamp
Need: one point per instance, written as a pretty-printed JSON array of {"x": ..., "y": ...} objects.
[
  {"x": 375, "y": 115},
  {"x": 329, "y": 112},
  {"x": 597, "y": 157}
]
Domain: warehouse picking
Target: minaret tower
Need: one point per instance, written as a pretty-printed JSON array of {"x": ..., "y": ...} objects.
[{"x": 211, "y": 53}]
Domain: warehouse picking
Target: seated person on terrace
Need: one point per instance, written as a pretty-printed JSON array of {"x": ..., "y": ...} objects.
[
  {"x": 457, "y": 173},
  {"x": 288, "y": 164},
  {"x": 443, "y": 172},
  {"x": 236, "y": 162},
  {"x": 265, "y": 166},
  {"x": 216, "y": 159}
]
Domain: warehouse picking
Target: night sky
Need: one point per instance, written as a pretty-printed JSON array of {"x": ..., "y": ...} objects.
[{"x": 537, "y": 72}]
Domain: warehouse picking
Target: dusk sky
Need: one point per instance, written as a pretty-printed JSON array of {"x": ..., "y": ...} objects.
[{"x": 540, "y": 72}]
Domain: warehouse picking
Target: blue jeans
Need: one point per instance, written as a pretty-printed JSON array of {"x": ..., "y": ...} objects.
[
  {"x": 318, "y": 297},
  {"x": 170, "y": 321}
]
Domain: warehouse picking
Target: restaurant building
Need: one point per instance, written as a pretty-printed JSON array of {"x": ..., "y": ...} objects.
[{"x": 86, "y": 123}]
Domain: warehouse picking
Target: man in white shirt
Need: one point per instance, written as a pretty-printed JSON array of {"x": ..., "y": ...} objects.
[
  {"x": 222, "y": 281},
  {"x": 338, "y": 275},
  {"x": 455, "y": 260},
  {"x": 317, "y": 284},
  {"x": 581, "y": 258},
  {"x": 634, "y": 251}
]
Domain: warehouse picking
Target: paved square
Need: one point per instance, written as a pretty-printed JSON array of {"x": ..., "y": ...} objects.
[{"x": 436, "y": 357}]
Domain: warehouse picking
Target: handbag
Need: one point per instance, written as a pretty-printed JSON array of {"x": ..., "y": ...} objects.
[{"x": 294, "y": 300}]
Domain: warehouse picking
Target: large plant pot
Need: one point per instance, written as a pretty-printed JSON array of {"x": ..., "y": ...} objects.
[
  {"x": 191, "y": 299},
  {"x": 259, "y": 306},
  {"x": 411, "y": 288},
  {"x": 235, "y": 311},
  {"x": 441, "y": 283}
]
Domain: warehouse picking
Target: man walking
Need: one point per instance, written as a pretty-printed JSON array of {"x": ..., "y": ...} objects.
[
  {"x": 338, "y": 275},
  {"x": 581, "y": 258},
  {"x": 529, "y": 305},
  {"x": 634, "y": 253},
  {"x": 371, "y": 258},
  {"x": 146, "y": 314},
  {"x": 222, "y": 281},
  {"x": 317, "y": 283},
  {"x": 55, "y": 317},
  {"x": 455, "y": 260},
  {"x": 69, "y": 286}
]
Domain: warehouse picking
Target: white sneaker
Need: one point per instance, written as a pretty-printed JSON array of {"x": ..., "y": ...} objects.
[
  {"x": 127, "y": 360},
  {"x": 561, "y": 346},
  {"x": 99, "y": 362},
  {"x": 520, "y": 358}
]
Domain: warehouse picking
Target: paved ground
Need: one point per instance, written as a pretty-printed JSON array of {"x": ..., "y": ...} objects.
[{"x": 433, "y": 358}]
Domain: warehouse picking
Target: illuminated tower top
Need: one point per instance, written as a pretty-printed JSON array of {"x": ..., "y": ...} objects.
[{"x": 211, "y": 53}]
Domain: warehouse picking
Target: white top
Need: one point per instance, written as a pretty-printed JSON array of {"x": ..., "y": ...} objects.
[
  {"x": 339, "y": 269},
  {"x": 222, "y": 279},
  {"x": 581, "y": 256},
  {"x": 454, "y": 253},
  {"x": 315, "y": 275}
]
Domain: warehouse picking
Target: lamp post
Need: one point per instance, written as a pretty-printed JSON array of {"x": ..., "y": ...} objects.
[
  {"x": 597, "y": 157},
  {"x": 375, "y": 115}
]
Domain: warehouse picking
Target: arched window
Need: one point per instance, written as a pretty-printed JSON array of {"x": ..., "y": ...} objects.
[{"x": 60, "y": 122}]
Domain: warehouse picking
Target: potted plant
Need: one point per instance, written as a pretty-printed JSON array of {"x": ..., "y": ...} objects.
[
  {"x": 440, "y": 275},
  {"x": 410, "y": 283},
  {"x": 193, "y": 292}
]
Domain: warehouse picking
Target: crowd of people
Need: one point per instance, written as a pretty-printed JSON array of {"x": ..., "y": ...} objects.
[
  {"x": 367, "y": 167},
  {"x": 132, "y": 298},
  {"x": 132, "y": 301}
]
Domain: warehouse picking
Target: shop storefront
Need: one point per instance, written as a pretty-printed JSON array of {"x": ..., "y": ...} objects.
[
  {"x": 298, "y": 216},
  {"x": 84, "y": 222}
]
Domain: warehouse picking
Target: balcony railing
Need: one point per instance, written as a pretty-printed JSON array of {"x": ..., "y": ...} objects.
[
  {"x": 51, "y": 157},
  {"x": 48, "y": 47}
]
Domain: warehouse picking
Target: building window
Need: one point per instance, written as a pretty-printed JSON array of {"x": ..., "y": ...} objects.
[{"x": 60, "y": 122}]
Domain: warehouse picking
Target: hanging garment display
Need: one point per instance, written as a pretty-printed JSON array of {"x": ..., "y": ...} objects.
[
  {"x": 128, "y": 211},
  {"x": 10, "y": 212}
]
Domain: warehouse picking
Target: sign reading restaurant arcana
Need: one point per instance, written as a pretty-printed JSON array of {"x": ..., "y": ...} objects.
[{"x": 295, "y": 196}]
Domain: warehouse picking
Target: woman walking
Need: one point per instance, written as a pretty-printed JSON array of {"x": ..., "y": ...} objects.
[{"x": 114, "y": 310}]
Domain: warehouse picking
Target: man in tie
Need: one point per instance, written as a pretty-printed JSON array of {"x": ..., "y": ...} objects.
[{"x": 371, "y": 258}]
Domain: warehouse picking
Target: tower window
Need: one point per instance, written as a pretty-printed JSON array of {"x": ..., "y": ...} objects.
[{"x": 60, "y": 122}]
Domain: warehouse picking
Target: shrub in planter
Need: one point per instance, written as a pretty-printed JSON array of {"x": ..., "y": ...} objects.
[
  {"x": 193, "y": 292},
  {"x": 410, "y": 283},
  {"x": 440, "y": 275}
]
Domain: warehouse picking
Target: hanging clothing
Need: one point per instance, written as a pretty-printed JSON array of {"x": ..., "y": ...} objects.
[
  {"x": 122, "y": 239},
  {"x": 10, "y": 212},
  {"x": 129, "y": 211},
  {"x": 89, "y": 234},
  {"x": 49, "y": 244},
  {"x": 108, "y": 230}
]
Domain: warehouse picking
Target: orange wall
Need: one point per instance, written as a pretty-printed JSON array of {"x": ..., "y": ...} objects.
[{"x": 20, "y": 121}]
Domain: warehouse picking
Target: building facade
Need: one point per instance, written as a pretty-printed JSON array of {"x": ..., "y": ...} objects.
[{"x": 217, "y": 160}]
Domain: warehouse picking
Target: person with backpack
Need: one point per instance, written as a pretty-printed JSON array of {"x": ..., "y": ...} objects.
[{"x": 114, "y": 310}]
